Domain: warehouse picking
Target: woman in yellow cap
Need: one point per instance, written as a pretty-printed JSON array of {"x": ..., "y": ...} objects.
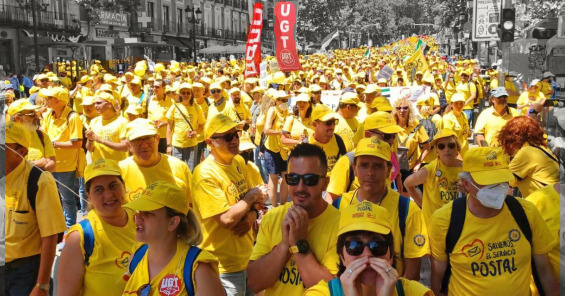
[
  {"x": 298, "y": 126},
  {"x": 168, "y": 262},
  {"x": 97, "y": 250},
  {"x": 457, "y": 121},
  {"x": 366, "y": 252}
]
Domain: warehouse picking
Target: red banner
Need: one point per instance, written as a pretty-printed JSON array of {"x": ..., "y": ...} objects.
[
  {"x": 253, "y": 46},
  {"x": 285, "y": 29}
]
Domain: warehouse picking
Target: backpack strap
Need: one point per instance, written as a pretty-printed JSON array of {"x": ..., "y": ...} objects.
[
  {"x": 191, "y": 256},
  {"x": 454, "y": 230},
  {"x": 335, "y": 287},
  {"x": 351, "y": 156},
  {"x": 41, "y": 137},
  {"x": 336, "y": 203},
  {"x": 88, "y": 235},
  {"x": 399, "y": 288},
  {"x": 550, "y": 155},
  {"x": 136, "y": 258},
  {"x": 340, "y": 145},
  {"x": 32, "y": 187},
  {"x": 403, "y": 204},
  {"x": 521, "y": 219}
]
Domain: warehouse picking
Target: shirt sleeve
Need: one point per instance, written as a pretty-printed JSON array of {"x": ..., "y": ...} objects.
[
  {"x": 480, "y": 125},
  {"x": 339, "y": 177},
  {"x": 542, "y": 239},
  {"x": 48, "y": 147},
  {"x": 200, "y": 114},
  {"x": 521, "y": 165},
  {"x": 416, "y": 242},
  {"x": 438, "y": 231},
  {"x": 210, "y": 197},
  {"x": 288, "y": 124},
  {"x": 75, "y": 128},
  {"x": 122, "y": 129},
  {"x": 50, "y": 218},
  {"x": 423, "y": 135}
]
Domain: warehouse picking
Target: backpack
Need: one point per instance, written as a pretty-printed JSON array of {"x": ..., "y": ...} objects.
[
  {"x": 32, "y": 190},
  {"x": 429, "y": 126},
  {"x": 403, "y": 158},
  {"x": 456, "y": 227},
  {"x": 336, "y": 289},
  {"x": 340, "y": 146}
]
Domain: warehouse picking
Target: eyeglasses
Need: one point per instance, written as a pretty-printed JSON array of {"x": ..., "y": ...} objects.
[
  {"x": 228, "y": 138},
  {"x": 355, "y": 247},
  {"x": 383, "y": 136},
  {"x": 144, "y": 290},
  {"x": 185, "y": 93},
  {"x": 450, "y": 145},
  {"x": 147, "y": 140},
  {"x": 331, "y": 122},
  {"x": 283, "y": 100},
  {"x": 215, "y": 91},
  {"x": 402, "y": 108},
  {"x": 309, "y": 179},
  {"x": 156, "y": 86}
]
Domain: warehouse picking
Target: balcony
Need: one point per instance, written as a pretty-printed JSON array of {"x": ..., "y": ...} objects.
[
  {"x": 21, "y": 18},
  {"x": 155, "y": 25},
  {"x": 170, "y": 28},
  {"x": 219, "y": 1},
  {"x": 245, "y": 5},
  {"x": 236, "y": 3}
]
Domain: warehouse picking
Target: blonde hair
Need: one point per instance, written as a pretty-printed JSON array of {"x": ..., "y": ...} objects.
[
  {"x": 411, "y": 115},
  {"x": 188, "y": 229}
]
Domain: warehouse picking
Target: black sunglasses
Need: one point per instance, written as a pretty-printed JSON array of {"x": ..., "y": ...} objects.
[
  {"x": 384, "y": 137},
  {"x": 402, "y": 108},
  {"x": 215, "y": 91},
  {"x": 229, "y": 137},
  {"x": 450, "y": 145},
  {"x": 355, "y": 247},
  {"x": 309, "y": 179}
]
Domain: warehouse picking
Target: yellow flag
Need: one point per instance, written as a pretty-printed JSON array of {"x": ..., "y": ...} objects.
[{"x": 418, "y": 61}]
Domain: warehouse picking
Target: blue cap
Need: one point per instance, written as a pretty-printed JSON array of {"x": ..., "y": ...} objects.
[{"x": 8, "y": 86}]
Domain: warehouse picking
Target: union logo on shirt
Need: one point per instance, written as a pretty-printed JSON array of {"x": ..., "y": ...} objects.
[
  {"x": 477, "y": 247},
  {"x": 169, "y": 285},
  {"x": 123, "y": 260}
]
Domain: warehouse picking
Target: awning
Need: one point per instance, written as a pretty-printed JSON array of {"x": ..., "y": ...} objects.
[
  {"x": 215, "y": 49},
  {"x": 143, "y": 44},
  {"x": 174, "y": 41}
]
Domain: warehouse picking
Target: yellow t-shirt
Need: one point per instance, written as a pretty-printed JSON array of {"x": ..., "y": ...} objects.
[
  {"x": 416, "y": 236},
  {"x": 489, "y": 123},
  {"x": 180, "y": 127},
  {"x": 247, "y": 99},
  {"x": 37, "y": 150},
  {"x": 243, "y": 112},
  {"x": 488, "y": 260},
  {"x": 411, "y": 288},
  {"x": 460, "y": 125},
  {"x": 113, "y": 130},
  {"x": 322, "y": 238},
  {"x": 533, "y": 169},
  {"x": 295, "y": 126},
  {"x": 274, "y": 142},
  {"x": 226, "y": 108},
  {"x": 168, "y": 169},
  {"x": 330, "y": 148},
  {"x": 110, "y": 256},
  {"x": 345, "y": 132},
  {"x": 545, "y": 88},
  {"x": 440, "y": 187},
  {"x": 546, "y": 200},
  {"x": 24, "y": 226},
  {"x": 339, "y": 177},
  {"x": 411, "y": 142},
  {"x": 170, "y": 281},
  {"x": 467, "y": 88},
  {"x": 157, "y": 111},
  {"x": 526, "y": 98},
  {"x": 135, "y": 100},
  {"x": 216, "y": 189},
  {"x": 204, "y": 106},
  {"x": 450, "y": 90},
  {"x": 259, "y": 126},
  {"x": 77, "y": 101},
  {"x": 65, "y": 128},
  {"x": 253, "y": 174}
]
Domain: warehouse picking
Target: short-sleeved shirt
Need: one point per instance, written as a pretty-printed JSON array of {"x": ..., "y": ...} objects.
[
  {"x": 112, "y": 130},
  {"x": 24, "y": 226},
  {"x": 467, "y": 88},
  {"x": 345, "y": 132},
  {"x": 440, "y": 187},
  {"x": 322, "y": 238},
  {"x": 226, "y": 108},
  {"x": 63, "y": 129},
  {"x": 489, "y": 123},
  {"x": 492, "y": 255},
  {"x": 242, "y": 112},
  {"x": 274, "y": 142},
  {"x": 157, "y": 111},
  {"x": 180, "y": 127},
  {"x": 460, "y": 125},
  {"x": 534, "y": 169},
  {"x": 218, "y": 187},
  {"x": 416, "y": 236},
  {"x": 527, "y": 98},
  {"x": 38, "y": 150},
  {"x": 296, "y": 127},
  {"x": 330, "y": 148},
  {"x": 339, "y": 177},
  {"x": 170, "y": 281}
]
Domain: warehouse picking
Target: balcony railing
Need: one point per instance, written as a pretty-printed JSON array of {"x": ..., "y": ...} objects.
[
  {"x": 155, "y": 25},
  {"x": 219, "y": 1},
  {"x": 245, "y": 5},
  {"x": 47, "y": 20}
]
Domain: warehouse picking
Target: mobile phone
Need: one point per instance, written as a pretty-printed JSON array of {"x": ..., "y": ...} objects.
[{"x": 550, "y": 103}]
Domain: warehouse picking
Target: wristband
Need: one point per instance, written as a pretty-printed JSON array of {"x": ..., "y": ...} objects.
[
  {"x": 256, "y": 212},
  {"x": 169, "y": 145}
]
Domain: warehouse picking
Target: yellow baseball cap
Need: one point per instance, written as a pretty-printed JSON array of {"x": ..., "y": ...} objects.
[
  {"x": 373, "y": 147},
  {"x": 487, "y": 165},
  {"x": 101, "y": 167},
  {"x": 158, "y": 195},
  {"x": 382, "y": 80},
  {"x": 215, "y": 85},
  {"x": 323, "y": 113},
  {"x": 235, "y": 90},
  {"x": 85, "y": 79},
  {"x": 257, "y": 89},
  {"x": 218, "y": 124},
  {"x": 185, "y": 85},
  {"x": 371, "y": 88},
  {"x": 17, "y": 133},
  {"x": 87, "y": 101},
  {"x": 140, "y": 127},
  {"x": 245, "y": 142},
  {"x": 21, "y": 105},
  {"x": 444, "y": 133},
  {"x": 303, "y": 97},
  {"x": 197, "y": 85},
  {"x": 280, "y": 94},
  {"x": 424, "y": 101},
  {"x": 383, "y": 121},
  {"x": 109, "y": 78},
  {"x": 136, "y": 80},
  {"x": 206, "y": 80},
  {"x": 315, "y": 88},
  {"x": 458, "y": 97},
  {"x": 365, "y": 216},
  {"x": 134, "y": 110},
  {"x": 350, "y": 98},
  {"x": 58, "y": 92}
]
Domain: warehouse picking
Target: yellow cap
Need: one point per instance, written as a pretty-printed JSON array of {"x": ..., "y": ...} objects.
[
  {"x": 21, "y": 105},
  {"x": 106, "y": 97},
  {"x": 245, "y": 142},
  {"x": 257, "y": 89},
  {"x": 487, "y": 165},
  {"x": 197, "y": 85},
  {"x": 458, "y": 97},
  {"x": 42, "y": 76},
  {"x": 185, "y": 85},
  {"x": 84, "y": 79},
  {"x": 109, "y": 78},
  {"x": 444, "y": 133},
  {"x": 140, "y": 127},
  {"x": 206, "y": 80},
  {"x": 58, "y": 92},
  {"x": 33, "y": 90},
  {"x": 280, "y": 94},
  {"x": 303, "y": 90},
  {"x": 323, "y": 113},
  {"x": 87, "y": 101},
  {"x": 350, "y": 98},
  {"x": 215, "y": 85},
  {"x": 373, "y": 147},
  {"x": 136, "y": 80},
  {"x": 134, "y": 109},
  {"x": 17, "y": 133},
  {"x": 106, "y": 87},
  {"x": 315, "y": 88},
  {"x": 235, "y": 90},
  {"x": 365, "y": 216},
  {"x": 382, "y": 121},
  {"x": 159, "y": 195},
  {"x": 218, "y": 124},
  {"x": 101, "y": 167},
  {"x": 371, "y": 88},
  {"x": 303, "y": 97}
]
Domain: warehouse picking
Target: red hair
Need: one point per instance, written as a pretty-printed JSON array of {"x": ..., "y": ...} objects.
[{"x": 520, "y": 130}]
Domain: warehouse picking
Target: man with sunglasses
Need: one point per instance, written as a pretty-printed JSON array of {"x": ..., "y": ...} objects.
[
  {"x": 220, "y": 104},
  {"x": 295, "y": 247},
  {"x": 491, "y": 120},
  {"x": 147, "y": 165},
  {"x": 241, "y": 110},
  {"x": 226, "y": 203},
  {"x": 157, "y": 110},
  {"x": 324, "y": 121}
]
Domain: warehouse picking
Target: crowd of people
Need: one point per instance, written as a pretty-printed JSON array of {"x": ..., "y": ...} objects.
[{"x": 181, "y": 179}]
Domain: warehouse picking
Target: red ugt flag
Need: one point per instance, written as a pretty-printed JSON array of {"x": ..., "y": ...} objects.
[
  {"x": 253, "y": 46},
  {"x": 285, "y": 29}
]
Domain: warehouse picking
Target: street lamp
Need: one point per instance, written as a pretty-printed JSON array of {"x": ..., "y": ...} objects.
[{"x": 195, "y": 19}]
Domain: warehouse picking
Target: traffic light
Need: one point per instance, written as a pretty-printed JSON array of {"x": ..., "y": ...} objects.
[{"x": 507, "y": 24}]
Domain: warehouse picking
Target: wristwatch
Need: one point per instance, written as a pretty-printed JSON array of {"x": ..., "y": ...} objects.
[
  {"x": 301, "y": 247},
  {"x": 43, "y": 287},
  {"x": 532, "y": 111}
]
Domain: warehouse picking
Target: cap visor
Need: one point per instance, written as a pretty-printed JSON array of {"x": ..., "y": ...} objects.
[
  {"x": 142, "y": 204},
  {"x": 365, "y": 226},
  {"x": 492, "y": 176},
  {"x": 246, "y": 146},
  {"x": 329, "y": 117},
  {"x": 379, "y": 155},
  {"x": 391, "y": 129},
  {"x": 102, "y": 173},
  {"x": 141, "y": 133},
  {"x": 226, "y": 128}
]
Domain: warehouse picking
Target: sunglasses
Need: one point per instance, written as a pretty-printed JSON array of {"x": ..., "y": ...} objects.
[
  {"x": 442, "y": 146},
  {"x": 309, "y": 179},
  {"x": 403, "y": 108},
  {"x": 355, "y": 247},
  {"x": 144, "y": 290},
  {"x": 228, "y": 138},
  {"x": 316, "y": 92},
  {"x": 383, "y": 136},
  {"x": 283, "y": 100},
  {"x": 331, "y": 122},
  {"x": 215, "y": 91},
  {"x": 29, "y": 114},
  {"x": 44, "y": 80},
  {"x": 147, "y": 140}
]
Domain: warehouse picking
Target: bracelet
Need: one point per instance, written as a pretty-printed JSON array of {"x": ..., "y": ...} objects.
[
  {"x": 532, "y": 111},
  {"x": 256, "y": 212},
  {"x": 169, "y": 145}
]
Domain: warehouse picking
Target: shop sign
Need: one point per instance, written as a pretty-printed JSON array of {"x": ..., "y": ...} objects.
[
  {"x": 109, "y": 34},
  {"x": 113, "y": 18}
]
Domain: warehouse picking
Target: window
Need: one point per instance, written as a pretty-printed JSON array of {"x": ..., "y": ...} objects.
[
  {"x": 151, "y": 10},
  {"x": 179, "y": 19},
  {"x": 166, "y": 14}
]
